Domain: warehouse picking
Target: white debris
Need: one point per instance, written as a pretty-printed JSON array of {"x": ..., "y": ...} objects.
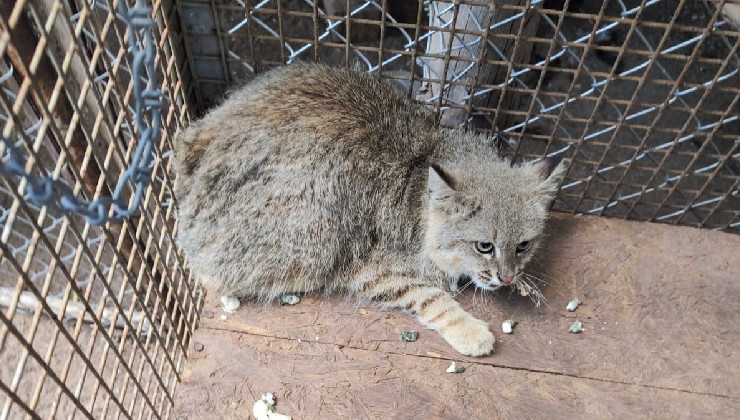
[
  {"x": 229, "y": 303},
  {"x": 455, "y": 369},
  {"x": 264, "y": 409},
  {"x": 259, "y": 410},
  {"x": 224, "y": 317},
  {"x": 524, "y": 289},
  {"x": 268, "y": 399},
  {"x": 290, "y": 299},
  {"x": 573, "y": 304},
  {"x": 576, "y": 327},
  {"x": 508, "y": 326}
]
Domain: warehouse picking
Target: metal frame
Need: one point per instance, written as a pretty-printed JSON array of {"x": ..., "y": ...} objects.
[
  {"x": 127, "y": 281},
  {"x": 619, "y": 168},
  {"x": 96, "y": 321}
]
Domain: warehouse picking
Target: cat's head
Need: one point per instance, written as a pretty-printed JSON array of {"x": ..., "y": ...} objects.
[{"x": 486, "y": 218}]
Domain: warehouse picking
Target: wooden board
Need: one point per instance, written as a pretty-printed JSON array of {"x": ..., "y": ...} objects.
[{"x": 660, "y": 307}]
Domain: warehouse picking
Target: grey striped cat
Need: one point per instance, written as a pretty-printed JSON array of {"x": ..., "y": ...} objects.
[{"x": 312, "y": 177}]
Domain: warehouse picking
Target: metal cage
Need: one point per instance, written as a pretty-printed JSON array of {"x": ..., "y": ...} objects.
[
  {"x": 95, "y": 321},
  {"x": 640, "y": 97}
]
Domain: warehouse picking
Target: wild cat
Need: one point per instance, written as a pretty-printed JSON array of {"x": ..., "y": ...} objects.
[{"x": 312, "y": 177}]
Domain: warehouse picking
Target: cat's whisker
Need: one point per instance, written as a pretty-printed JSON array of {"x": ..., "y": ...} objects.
[
  {"x": 538, "y": 279},
  {"x": 533, "y": 277},
  {"x": 475, "y": 293},
  {"x": 462, "y": 289},
  {"x": 512, "y": 289},
  {"x": 488, "y": 302},
  {"x": 481, "y": 299},
  {"x": 535, "y": 294},
  {"x": 541, "y": 273}
]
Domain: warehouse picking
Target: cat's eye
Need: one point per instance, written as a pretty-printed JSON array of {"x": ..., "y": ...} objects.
[
  {"x": 523, "y": 247},
  {"x": 484, "y": 247}
]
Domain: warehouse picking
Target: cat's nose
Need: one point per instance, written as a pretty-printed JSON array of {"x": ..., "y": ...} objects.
[{"x": 506, "y": 279}]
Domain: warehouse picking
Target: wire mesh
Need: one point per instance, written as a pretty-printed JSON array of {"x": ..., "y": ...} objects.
[
  {"x": 56, "y": 194},
  {"x": 94, "y": 321},
  {"x": 641, "y": 97}
]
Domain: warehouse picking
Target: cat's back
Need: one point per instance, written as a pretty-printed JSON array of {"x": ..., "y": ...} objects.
[
  {"x": 308, "y": 104},
  {"x": 291, "y": 169}
]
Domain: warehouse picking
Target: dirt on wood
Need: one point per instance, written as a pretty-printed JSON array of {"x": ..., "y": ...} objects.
[{"x": 659, "y": 305}]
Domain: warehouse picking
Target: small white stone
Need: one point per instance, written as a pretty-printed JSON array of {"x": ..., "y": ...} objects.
[
  {"x": 290, "y": 299},
  {"x": 264, "y": 409},
  {"x": 576, "y": 328},
  {"x": 268, "y": 398},
  {"x": 573, "y": 304},
  {"x": 508, "y": 326},
  {"x": 455, "y": 369},
  {"x": 230, "y": 304},
  {"x": 224, "y": 316},
  {"x": 260, "y": 410}
]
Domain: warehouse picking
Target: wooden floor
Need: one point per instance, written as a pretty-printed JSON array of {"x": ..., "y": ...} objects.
[{"x": 661, "y": 312}]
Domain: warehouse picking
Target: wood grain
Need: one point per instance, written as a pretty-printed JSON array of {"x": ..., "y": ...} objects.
[{"x": 660, "y": 308}]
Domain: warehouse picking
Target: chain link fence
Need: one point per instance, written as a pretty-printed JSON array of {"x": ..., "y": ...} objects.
[{"x": 639, "y": 96}]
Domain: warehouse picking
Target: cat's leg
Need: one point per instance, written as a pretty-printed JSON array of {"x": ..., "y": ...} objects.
[{"x": 433, "y": 306}]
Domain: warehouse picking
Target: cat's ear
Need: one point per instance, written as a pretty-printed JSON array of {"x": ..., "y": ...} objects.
[
  {"x": 550, "y": 171},
  {"x": 442, "y": 187},
  {"x": 441, "y": 180},
  {"x": 444, "y": 193}
]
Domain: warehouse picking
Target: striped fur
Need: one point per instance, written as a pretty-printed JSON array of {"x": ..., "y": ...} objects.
[{"x": 316, "y": 178}]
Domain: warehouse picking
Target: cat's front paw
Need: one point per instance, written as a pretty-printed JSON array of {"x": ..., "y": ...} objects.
[{"x": 471, "y": 338}]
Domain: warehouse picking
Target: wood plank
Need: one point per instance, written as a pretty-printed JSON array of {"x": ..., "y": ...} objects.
[
  {"x": 325, "y": 381},
  {"x": 660, "y": 308}
]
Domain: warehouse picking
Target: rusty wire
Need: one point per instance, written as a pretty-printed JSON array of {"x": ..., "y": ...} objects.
[
  {"x": 623, "y": 148},
  {"x": 96, "y": 321}
]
